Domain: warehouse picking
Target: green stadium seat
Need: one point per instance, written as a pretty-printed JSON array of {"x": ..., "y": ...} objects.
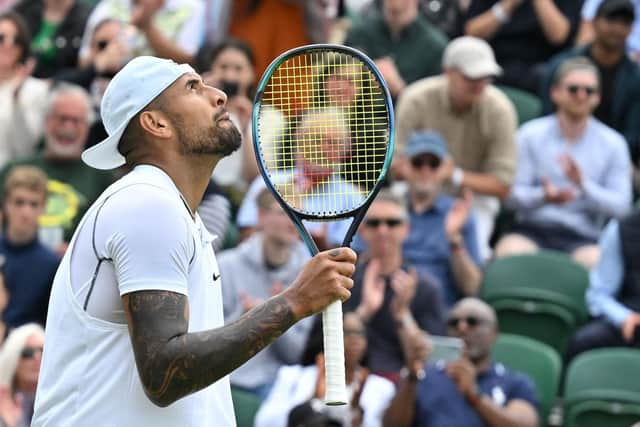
[
  {"x": 246, "y": 406},
  {"x": 602, "y": 388},
  {"x": 528, "y": 106},
  {"x": 542, "y": 363}
]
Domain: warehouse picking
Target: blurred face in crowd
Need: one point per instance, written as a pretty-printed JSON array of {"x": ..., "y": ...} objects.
[
  {"x": 105, "y": 34},
  {"x": 231, "y": 66},
  {"x": 355, "y": 339},
  {"x": 28, "y": 369},
  {"x": 577, "y": 94},
  {"x": 341, "y": 84},
  {"x": 464, "y": 92},
  {"x": 399, "y": 13},
  {"x": 22, "y": 209},
  {"x": 384, "y": 228},
  {"x": 474, "y": 322},
  {"x": 276, "y": 225},
  {"x": 423, "y": 175},
  {"x": 612, "y": 32},
  {"x": 67, "y": 126},
  {"x": 10, "y": 51}
]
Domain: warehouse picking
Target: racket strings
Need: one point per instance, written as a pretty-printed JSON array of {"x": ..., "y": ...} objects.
[{"x": 333, "y": 132}]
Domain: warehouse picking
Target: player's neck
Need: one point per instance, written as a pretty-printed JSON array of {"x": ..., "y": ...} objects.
[{"x": 191, "y": 178}]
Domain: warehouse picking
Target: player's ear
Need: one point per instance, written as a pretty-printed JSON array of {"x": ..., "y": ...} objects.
[{"x": 156, "y": 123}]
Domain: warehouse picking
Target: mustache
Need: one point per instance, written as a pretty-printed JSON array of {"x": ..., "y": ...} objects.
[{"x": 220, "y": 111}]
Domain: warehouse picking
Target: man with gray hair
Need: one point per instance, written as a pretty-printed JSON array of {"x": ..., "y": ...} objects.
[
  {"x": 73, "y": 184},
  {"x": 477, "y": 121},
  {"x": 574, "y": 172}
]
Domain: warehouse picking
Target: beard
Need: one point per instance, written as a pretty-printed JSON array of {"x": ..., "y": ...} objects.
[{"x": 218, "y": 139}]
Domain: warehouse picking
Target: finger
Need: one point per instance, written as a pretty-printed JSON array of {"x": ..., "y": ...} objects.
[
  {"x": 342, "y": 254},
  {"x": 343, "y": 268}
]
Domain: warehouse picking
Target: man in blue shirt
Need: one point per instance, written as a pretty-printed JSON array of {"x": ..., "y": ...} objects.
[
  {"x": 574, "y": 172},
  {"x": 472, "y": 391},
  {"x": 442, "y": 238},
  {"x": 613, "y": 296},
  {"x": 29, "y": 266}
]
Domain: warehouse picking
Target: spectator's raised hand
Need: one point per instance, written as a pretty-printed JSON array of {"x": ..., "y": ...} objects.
[
  {"x": 373, "y": 287},
  {"x": 10, "y": 408},
  {"x": 458, "y": 214},
  {"x": 552, "y": 194},
  {"x": 463, "y": 374},
  {"x": 571, "y": 169},
  {"x": 143, "y": 12},
  {"x": 389, "y": 71},
  {"x": 404, "y": 288}
]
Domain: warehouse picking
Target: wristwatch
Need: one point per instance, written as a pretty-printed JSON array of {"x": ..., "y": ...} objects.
[
  {"x": 499, "y": 12},
  {"x": 457, "y": 177},
  {"x": 407, "y": 374}
]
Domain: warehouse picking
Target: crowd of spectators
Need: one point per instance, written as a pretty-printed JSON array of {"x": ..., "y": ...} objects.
[{"x": 471, "y": 181}]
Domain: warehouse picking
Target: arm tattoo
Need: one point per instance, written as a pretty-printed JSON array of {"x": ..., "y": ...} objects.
[{"x": 173, "y": 363}]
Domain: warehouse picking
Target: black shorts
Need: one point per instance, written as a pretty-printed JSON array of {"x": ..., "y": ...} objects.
[{"x": 553, "y": 236}]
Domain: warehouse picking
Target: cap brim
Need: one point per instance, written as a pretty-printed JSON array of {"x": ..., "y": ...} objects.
[
  {"x": 486, "y": 70},
  {"x": 105, "y": 155}
]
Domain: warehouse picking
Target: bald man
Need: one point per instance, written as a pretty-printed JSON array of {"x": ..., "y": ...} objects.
[{"x": 472, "y": 391}]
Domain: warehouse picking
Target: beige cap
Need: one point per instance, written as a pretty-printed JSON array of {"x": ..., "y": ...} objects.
[{"x": 472, "y": 56}]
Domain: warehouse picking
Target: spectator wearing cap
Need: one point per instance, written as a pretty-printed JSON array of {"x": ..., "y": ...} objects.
[
  {"x": 586, "y": 32},
  {"x": 573, "y": 172},
  {"x": 477, "y": 121},
  {"x": 524, "y": 34},
  {"x": 393, "y": 39},
  {"x": 619, "y": 105},
  {"x": 442, "y": 238}
]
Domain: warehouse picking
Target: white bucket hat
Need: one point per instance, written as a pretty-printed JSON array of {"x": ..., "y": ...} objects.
[{"x": 131, "y": 89}]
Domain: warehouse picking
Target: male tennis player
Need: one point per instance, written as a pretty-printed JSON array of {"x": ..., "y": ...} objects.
[{"x": 135, "y": 333}]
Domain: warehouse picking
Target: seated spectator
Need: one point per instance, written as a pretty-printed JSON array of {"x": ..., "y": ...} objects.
[
  {"x": 387, "y": 290},
  {"x": 254, "y": 271},
  {"x": 613, "y": 295},
  {"x": 472, "y": 391},
  {"x": 21, "y": 95},
  {"x": 57, "y": 27},
  {"x": 20, "y": 360},
  {"x": 215, "y": 212},
  {"x": 108, "y": 53},
  {"x": 442, "y": 237},
  {"x": 4, "y": 300},
  {"x": 29, "y": 266},
  {"x": 72, "y": 184},
  {"x": 574, "y": 172},
  {"x": 477, "y": 121},
  {"x": 586, "y": 32},
  {"x": 229, "y": 66},
  {"x": 392, "y": 38},
  {"x": 168, "y": 29},
  {"x": 303, "y": 385},
  {"x": 619, "y": 105},
  {"x": 523, "y": 34}
]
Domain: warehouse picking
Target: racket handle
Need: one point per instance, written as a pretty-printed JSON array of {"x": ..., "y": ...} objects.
[{"x": 334, "y": 355}]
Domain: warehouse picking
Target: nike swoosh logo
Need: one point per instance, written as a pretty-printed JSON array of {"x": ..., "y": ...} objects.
[{"x": 216, "y": 276}]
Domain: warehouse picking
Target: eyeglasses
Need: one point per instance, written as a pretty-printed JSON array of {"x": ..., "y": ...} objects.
[
  {"x": 9, "y": 40},
  {"x": 389, "y": 222},
  {"x": 355, "y": 332},
  {"x": 421, "y": 161},
  {"x": 30, "y": 352},
  {"x": 61, "y": 118},
  {"x": 589, "y": 90},
  {"x": 471, "y": 321}
]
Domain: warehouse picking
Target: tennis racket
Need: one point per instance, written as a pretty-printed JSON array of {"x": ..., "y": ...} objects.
[{"x": 323, "y": 132}]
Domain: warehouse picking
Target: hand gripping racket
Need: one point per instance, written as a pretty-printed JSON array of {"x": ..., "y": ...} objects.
[{"x": 323, "y": 132}]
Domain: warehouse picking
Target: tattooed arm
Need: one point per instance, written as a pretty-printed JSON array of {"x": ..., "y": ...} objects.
[{"x": 173, "y": 363}]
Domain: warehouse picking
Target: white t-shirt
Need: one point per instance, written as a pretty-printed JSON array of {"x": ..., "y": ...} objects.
[{"x": 149, "y": 241}]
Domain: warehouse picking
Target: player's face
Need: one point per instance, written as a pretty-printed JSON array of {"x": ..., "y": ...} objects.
[
  {"x": 67, "y": 126},
  {"x": 355, "y": 339},
  {"x": 384, "y": 228},
  {"x": 200, "y": 119},
  {"x": 577, "y": 95},
  {"x": 28, "y": 369},
  {"x": 22, "y": 208}
]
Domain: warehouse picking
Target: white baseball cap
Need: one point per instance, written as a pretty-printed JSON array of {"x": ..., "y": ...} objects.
[
  {"x": 472, "y": 56},
  {"x": 131, "y": 89}
]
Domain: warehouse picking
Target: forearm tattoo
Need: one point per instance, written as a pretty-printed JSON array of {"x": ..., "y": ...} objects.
[{"x": 173, "y": 363}]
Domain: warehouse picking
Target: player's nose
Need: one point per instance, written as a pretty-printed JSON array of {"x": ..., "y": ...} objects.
[{"x": 218, "y": 97}]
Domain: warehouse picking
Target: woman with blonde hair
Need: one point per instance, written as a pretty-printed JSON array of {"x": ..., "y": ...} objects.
[{"x": 20, "y": 359}]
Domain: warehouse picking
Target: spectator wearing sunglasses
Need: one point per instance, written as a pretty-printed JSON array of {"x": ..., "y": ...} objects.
[
  {"x": 472, "y": 391},
  {"x": 388, "y": 291},
  {"x": 574, "y": 172},
  {"x": 20, "y": 360},
  {"x": 21, "y": 111},
  {"x": 442, "y": 239}
]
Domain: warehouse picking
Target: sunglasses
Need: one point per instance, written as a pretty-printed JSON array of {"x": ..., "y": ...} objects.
[
  {"x": 420, "y": 162},
  {"x": 389, "y": 222},
  {"x": 471, "y": 321},
  {"x": 6, "y": 38},
  {"x": 589, "y": 90},
  {"x": 30, "y": 352}
]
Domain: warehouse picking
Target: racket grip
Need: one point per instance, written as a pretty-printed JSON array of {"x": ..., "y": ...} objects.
[{"x": 336, "y": 388}]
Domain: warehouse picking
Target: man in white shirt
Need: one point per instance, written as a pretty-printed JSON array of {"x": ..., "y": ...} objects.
[{"x": 135, "y": 327}]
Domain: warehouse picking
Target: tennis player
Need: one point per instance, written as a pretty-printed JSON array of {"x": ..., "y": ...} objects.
[{"x": 135, "y": 333}]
